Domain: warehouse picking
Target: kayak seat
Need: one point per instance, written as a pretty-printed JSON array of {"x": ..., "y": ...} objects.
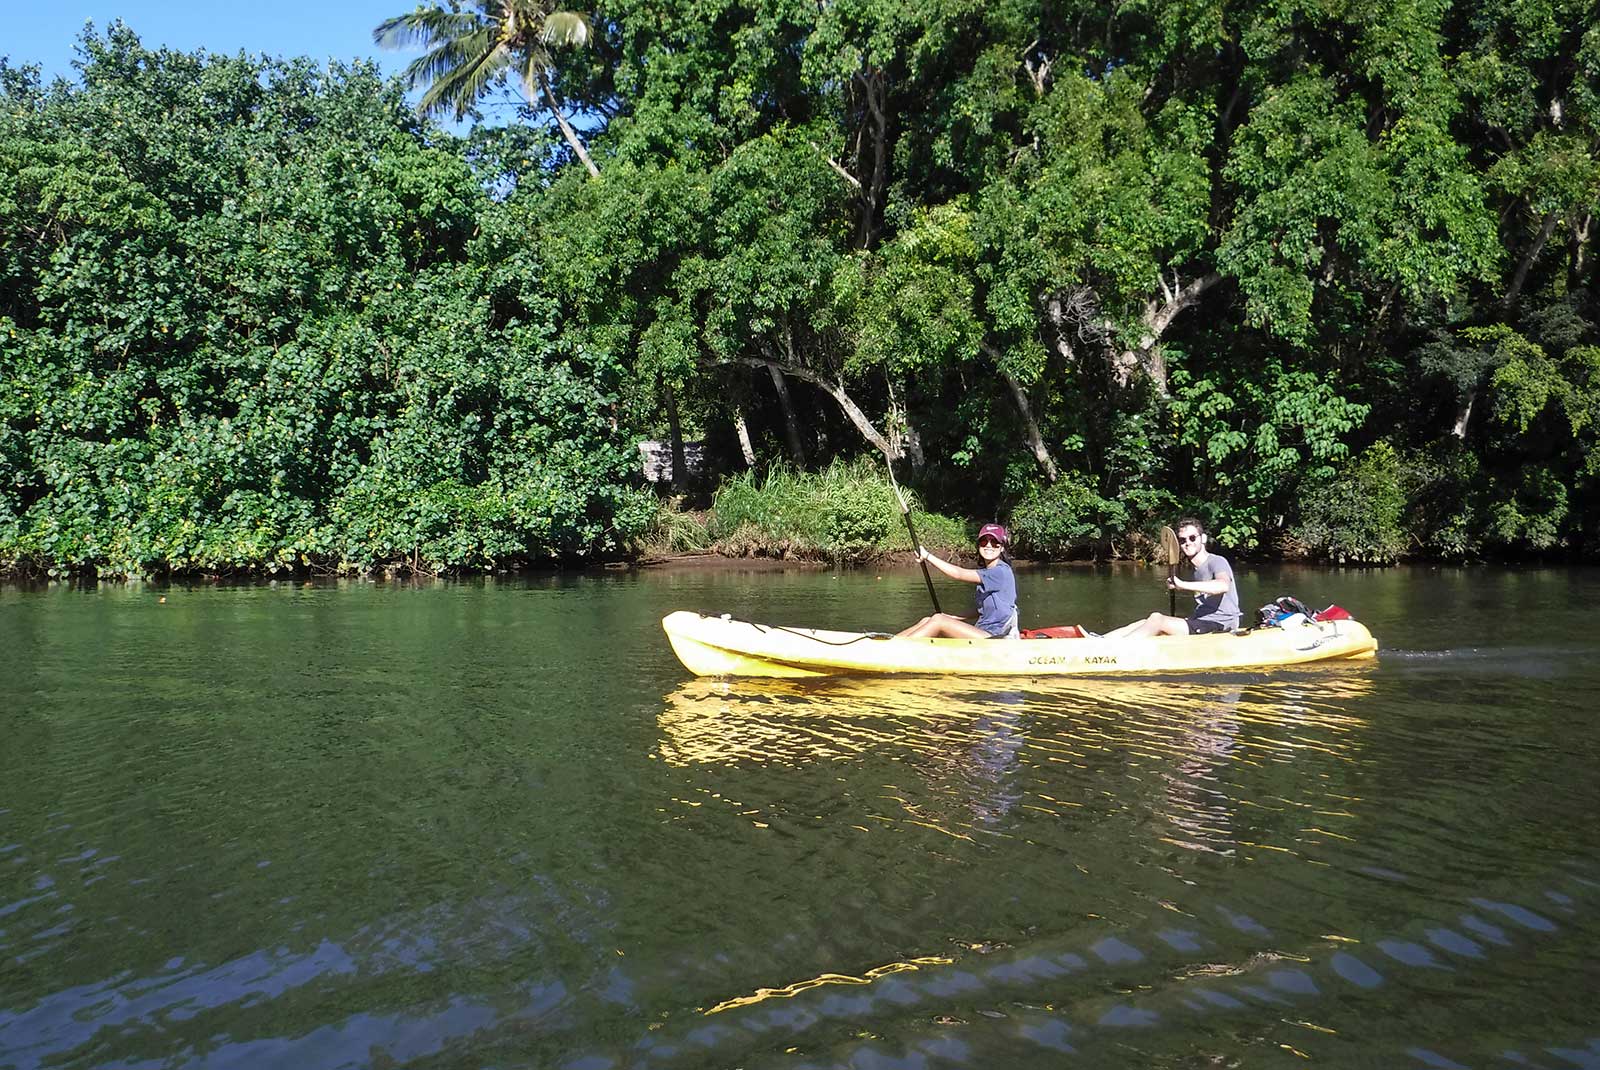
[{"x": 1062, "y": 631}]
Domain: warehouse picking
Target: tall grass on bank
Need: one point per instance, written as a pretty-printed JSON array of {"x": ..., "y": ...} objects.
[{"x": 846, "y": 513}]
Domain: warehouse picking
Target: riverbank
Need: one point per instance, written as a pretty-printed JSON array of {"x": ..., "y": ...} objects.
[
  {"x": 848, "y": 515},
  {"x": 753, "y": 551}
]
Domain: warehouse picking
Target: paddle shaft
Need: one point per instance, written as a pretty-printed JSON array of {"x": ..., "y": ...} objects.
[{"x": 916, "y": 543}]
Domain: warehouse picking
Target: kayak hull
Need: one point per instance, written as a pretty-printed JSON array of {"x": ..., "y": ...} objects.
[{"x": 721, "y": 646}]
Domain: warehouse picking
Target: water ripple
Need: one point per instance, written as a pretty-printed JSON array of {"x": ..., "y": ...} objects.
[{"x": 369, "y": 826}]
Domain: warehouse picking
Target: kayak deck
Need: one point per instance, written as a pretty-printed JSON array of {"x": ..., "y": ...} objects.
[{"x": 721, "y": 646}]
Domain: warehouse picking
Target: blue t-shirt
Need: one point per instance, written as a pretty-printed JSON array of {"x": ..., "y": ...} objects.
[
  {"x": 1221, "y": 608},
  {"x": 997, "y": 598}
]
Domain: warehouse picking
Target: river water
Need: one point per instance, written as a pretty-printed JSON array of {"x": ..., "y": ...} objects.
[{"x": 497, "y": 824}]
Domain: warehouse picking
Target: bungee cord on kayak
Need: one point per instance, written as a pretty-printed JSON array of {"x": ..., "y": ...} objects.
[{"x": 815, "y": 638}]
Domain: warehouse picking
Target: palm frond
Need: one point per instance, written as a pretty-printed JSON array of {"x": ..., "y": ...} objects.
[
  {"x": 445, "y": 57},
  {"x": 468, "y": 50},
  {"x": 535, "y": 61},
  {"x": 460, "y": 84},
  {"x": 424, "y": 27},
  {"x": 567, "y": 29}
]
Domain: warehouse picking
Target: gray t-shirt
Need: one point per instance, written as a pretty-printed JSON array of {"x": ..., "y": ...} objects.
[
  {"x": 1222, "y": 608},
  {"x": 997, "y": 597}
]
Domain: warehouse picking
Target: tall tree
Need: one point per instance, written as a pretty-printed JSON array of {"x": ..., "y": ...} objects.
[{"x": 469, "y": 51}]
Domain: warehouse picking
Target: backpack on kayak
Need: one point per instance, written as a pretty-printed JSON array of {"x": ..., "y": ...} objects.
[{"x": 1276, "y": 613}]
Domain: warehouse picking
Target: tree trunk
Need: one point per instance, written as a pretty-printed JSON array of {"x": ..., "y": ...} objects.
[
  {"x": 1546, "y": 229},
  {"x": 1041, "y": 452},
  {"x": 791, "y": 422},
  {"x": 904, "y": 439},
  {"x": 1464, "y": 414},
  {"x": 566, "y": 128},
  {"x": 851, "y": 410},
  {"x": 680, "y": 464},
  {"x": 745, "y": 446},
  {"x": 1579, "y": 247},
  {"x": 877, "y": 120},
  {"x": 1158, "y": 316}
]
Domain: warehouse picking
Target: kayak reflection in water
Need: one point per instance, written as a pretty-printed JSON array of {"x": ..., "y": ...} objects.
[{"x": 997, "y": 593}]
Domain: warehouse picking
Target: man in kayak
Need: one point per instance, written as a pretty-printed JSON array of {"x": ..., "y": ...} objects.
[
  {"x": 997, "y": 593},
  {"x": 1216, "y": 598}
]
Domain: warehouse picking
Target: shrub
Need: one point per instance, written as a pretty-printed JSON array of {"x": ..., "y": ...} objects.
[
  {"x": 674, "y": 531},
  {"x": 1356, "y": 516},
  {"x": 1065, "y": 519},
  {"x": 1438, "y": 482},
  {"x": 1528, "y": 514},
  {"x": 1459, "y": 507},
  {"x": 846, "y": 512}
]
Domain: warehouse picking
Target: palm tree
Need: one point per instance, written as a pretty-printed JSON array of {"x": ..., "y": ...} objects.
[{"x": 470, "y": 49}]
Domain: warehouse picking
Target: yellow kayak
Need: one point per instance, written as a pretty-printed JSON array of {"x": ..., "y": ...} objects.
[{"x": 722, "y": 646}]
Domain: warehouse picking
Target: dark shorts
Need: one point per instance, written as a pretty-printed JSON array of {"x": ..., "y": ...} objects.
[{"x": 1206, "y": 627}]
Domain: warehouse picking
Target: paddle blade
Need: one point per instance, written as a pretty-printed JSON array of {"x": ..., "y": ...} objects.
[{"x": 1169, "y": 547}]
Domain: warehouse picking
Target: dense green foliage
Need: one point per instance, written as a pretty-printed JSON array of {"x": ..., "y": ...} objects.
[
  {"x": 1321, "y": 273},
  {"x": 1060, "y": 519},
  {"x": 847, "y": 512},
  {"x": 253, "y": 316},
  {"x": 1358, "y": 515}
]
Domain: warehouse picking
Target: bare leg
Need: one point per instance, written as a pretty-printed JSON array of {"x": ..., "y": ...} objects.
[
  {"x": 943, "y": 625},
  {"x": 1154, "y": 624}
]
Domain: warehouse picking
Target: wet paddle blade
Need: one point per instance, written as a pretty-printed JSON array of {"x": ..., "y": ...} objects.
[{"x": 1169, "y": 557}]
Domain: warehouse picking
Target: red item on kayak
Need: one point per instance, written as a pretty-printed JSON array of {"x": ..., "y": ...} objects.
[
  {"x": 1333, "y": 613},
  {"x": 1063, "y": 631}
]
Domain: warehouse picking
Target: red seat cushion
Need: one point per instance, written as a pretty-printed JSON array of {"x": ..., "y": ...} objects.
[{"x": 1062, "y": 631}]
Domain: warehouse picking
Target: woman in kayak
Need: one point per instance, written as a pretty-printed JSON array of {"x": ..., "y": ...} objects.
[{"x": 997, "y": 593}]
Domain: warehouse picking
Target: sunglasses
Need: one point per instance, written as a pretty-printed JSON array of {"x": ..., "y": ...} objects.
[
  {"x": 989, "y": 542},
  {"x": 1188, "y": 538}
]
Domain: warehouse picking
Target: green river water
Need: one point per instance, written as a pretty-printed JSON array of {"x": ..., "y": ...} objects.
[{"x": 496, "y": 824}]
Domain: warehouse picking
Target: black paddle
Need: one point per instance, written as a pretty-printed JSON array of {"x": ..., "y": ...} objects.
[{"x": 905, "y": 511}]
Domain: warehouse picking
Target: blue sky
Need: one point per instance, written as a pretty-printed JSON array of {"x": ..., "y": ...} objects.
[{"x": 43, "y": 32}]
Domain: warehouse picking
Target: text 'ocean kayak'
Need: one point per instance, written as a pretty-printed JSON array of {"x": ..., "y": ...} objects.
[{"x": 721, "y": 646}]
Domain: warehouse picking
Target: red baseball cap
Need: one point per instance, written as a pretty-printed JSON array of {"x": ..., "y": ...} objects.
[{"x": 994, "y": 531}]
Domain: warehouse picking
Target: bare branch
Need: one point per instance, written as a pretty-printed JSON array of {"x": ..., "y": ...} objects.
[
  {"x": 1038, "y": 73},
  {"x": 838, "y": 169},
  {"x": 846, "y": 404},
  {"x": 1036, "y": 443}
]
